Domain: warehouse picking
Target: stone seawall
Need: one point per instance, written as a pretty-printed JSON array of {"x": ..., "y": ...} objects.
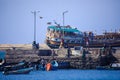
[{"x": 29, "y": 55}]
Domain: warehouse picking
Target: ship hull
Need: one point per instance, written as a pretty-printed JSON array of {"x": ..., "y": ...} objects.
[{"x": 54, "y": 44}]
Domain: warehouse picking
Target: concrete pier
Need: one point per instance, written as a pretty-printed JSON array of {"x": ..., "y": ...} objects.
[{"x": 18, "y": 54}]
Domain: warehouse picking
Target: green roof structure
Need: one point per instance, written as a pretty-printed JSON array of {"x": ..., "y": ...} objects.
[{"x": 61, "y": 28}]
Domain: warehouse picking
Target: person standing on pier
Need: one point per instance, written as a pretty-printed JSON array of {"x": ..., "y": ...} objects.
[
  {"x": 103, "y": 50},
  {"x": 84, "y": 58},
  {"x": 53, "y": 53},
  {"x": 69, "y": 52}
]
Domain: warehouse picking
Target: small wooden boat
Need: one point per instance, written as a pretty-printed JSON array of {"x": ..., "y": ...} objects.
[
  {"x": 20, "y": 71},
  {"x": 14, "y": 67}
]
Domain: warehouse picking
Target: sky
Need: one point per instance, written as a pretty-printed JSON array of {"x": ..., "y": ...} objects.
[{"x": 17, "y": 21}]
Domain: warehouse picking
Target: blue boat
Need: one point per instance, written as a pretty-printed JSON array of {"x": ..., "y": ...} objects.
[
  {"x": 64, "y": 65},
  {"x": 54, "y": 65}
]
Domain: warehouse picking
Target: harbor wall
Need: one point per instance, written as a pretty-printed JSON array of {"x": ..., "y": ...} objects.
[{"x": 30, "y": 55}]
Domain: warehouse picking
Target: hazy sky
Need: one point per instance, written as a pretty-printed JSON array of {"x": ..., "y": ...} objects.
[{"x": 16, "y": 19}]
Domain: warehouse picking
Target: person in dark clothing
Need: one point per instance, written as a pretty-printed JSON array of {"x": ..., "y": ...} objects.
[
  {"x": 37, "y": 46},
  {"x": 34, "y": 45},
  {"x": 42, "y": 62},
  {"x": 37, "y": 65},
  {"x": 69, "y": 52},
  {"x": 84, "y": 58},
  {"x": 84, "y": 55},
  {"x": 53, "y": 53}
]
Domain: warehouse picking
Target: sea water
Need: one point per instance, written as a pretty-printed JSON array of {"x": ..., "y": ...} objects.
[{"x": 71, "y": 74}]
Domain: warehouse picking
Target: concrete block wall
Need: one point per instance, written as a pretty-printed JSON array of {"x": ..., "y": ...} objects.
[{"x": 15, "y": 56}]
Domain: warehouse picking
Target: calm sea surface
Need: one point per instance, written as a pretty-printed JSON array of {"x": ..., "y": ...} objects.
[{"x": 66, "y": 75}]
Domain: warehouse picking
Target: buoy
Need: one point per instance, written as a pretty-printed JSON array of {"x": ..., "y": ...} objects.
[{"x": 48, "y": 66}]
